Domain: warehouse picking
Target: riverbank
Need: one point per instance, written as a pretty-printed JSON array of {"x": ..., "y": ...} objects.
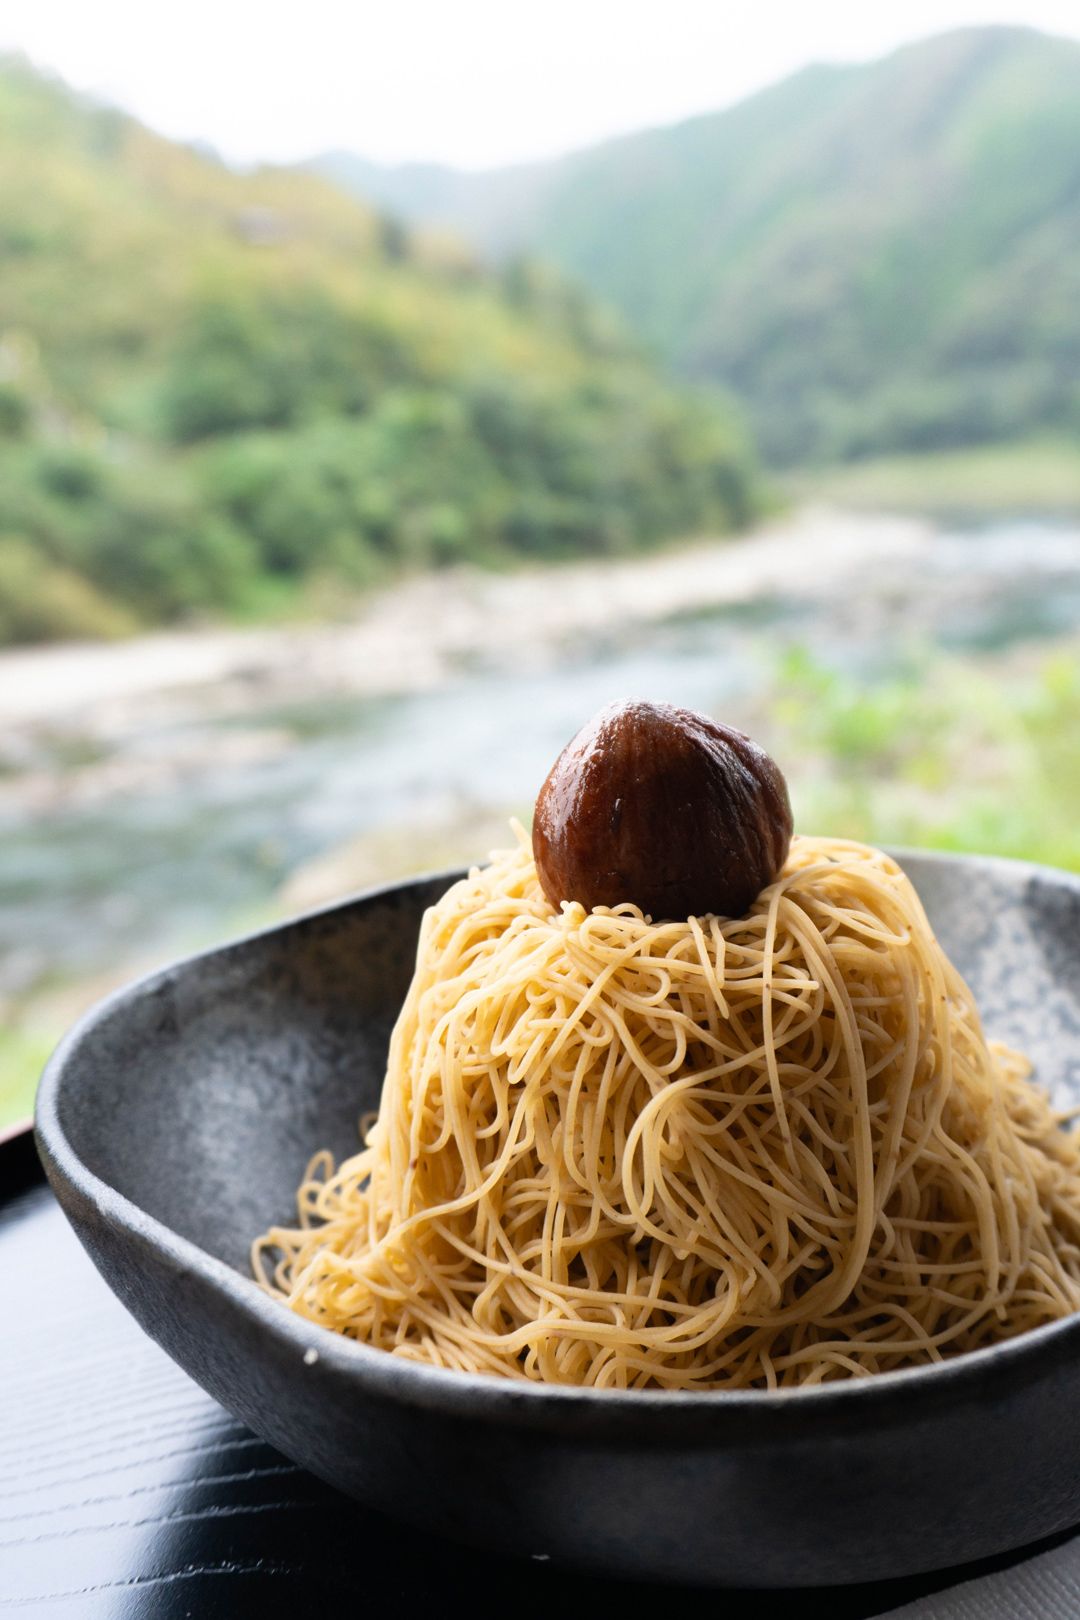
[
  {"x": 83, "y": 723},
  {"x": 412, "y": 636},
  {"x": 1040, "y": 479}
]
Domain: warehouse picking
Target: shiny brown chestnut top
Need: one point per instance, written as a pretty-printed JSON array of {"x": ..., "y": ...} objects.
[{"x": 663, "y": 808}]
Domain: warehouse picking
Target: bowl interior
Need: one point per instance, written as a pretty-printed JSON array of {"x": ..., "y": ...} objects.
[{"x": 200, "y": 1094}]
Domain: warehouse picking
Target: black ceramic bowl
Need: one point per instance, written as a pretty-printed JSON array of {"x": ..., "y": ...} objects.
[{"x": 175, "y": 1121}]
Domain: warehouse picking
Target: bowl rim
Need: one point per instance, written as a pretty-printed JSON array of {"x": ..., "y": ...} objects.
[{"x": 971, "y": 1376}]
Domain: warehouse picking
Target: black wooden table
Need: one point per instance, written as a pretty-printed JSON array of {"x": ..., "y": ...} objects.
[{"x": 127, "y": 1492}]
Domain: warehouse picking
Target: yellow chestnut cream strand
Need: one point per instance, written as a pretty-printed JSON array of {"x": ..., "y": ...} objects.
[{"x": 713, "y": 1153}]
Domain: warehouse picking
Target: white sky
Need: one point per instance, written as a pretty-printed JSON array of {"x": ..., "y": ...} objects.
[{"x": 471, "y": 82}]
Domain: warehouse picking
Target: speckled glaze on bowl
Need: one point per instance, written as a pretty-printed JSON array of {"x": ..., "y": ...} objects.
[{"x": 175, "y": 1121}]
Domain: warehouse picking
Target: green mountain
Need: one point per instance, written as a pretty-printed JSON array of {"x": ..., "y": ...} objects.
[
  {"x": 240, "y": 393},
  {"x": 878, "y": 257}
]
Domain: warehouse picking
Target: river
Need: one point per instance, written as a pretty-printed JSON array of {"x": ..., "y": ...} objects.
[{"x": 144, "y": 813}]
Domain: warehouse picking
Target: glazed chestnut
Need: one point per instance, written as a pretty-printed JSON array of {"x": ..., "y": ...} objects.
[{"x": 664, "y": 808}]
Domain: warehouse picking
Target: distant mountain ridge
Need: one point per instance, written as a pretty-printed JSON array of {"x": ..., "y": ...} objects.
[{"x": 874, "y": 257}]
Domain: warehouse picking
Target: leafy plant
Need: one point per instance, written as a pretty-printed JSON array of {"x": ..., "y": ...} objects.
[{"x": 950, "y": 756}]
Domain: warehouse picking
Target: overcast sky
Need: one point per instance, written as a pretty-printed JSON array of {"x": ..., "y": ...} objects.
[{"x": 471, "y": 82}]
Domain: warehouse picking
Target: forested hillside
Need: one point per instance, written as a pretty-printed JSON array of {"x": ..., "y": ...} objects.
[
  {"x": 226, "y": 393},
  {"x": 873, "y": 258}
]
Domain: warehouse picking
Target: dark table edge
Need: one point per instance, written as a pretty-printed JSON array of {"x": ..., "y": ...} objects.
[{"x": 20, "y": 1167}]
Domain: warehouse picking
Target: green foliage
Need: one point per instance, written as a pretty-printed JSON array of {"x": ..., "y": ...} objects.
[
  {"x": 15, "y": 412},
  {"x": 874, "y": 258},
  {"x": 40, "y": 601},
  {"x": 501, "y": 468},
  {"x": 921, "y": 759},
  {"x": 217, "y": 389},
  {"x": 23, "y": 1055},
  {"x": 132, "y": 535},
  {"x": 297, "y": 497},
  {"x": 241, "y": 363}
]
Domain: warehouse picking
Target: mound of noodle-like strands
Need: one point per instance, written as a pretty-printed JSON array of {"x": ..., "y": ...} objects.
[{"x": 714, "y": 1153}]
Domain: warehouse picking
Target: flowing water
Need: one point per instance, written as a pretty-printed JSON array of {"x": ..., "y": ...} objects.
[{"x": 89, "y": 881}]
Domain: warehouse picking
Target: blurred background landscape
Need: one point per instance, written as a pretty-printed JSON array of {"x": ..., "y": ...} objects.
[{"x": 336, "y": 493}]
